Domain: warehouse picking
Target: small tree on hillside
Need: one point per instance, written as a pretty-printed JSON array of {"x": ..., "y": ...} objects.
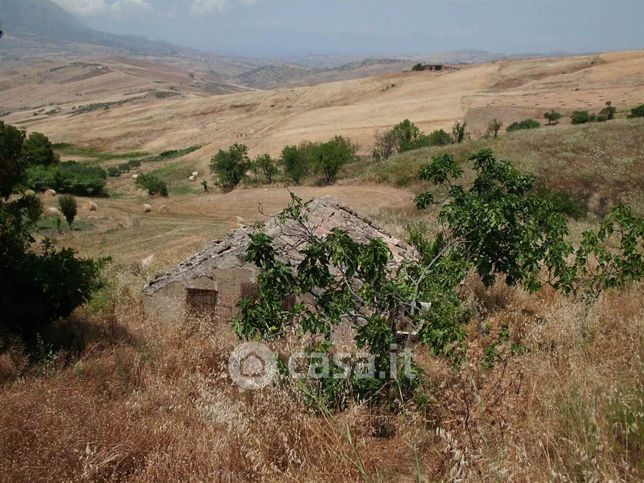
[
  {"x": 329, "y": 157},
  {"x": 152, "y": 184},
  {"x": 230, "y": 166},
  {"x": 295, "y": 163},
  {"x": 552, "y": 117},
  {"x": 68, "y": 207},
  {"x": 458, "y": 131},
  {"x": 406, "y": 135},
  {"x": 265, "y": 165},
  {"x": 37, "y": 149},
  {"x": 384, "y": 145},
  {"x": 439, "y": 137},
  {"x": 494, "y": 127}
]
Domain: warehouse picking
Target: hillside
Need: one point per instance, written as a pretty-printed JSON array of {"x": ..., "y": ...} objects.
[{"x": 267, "y": 120}]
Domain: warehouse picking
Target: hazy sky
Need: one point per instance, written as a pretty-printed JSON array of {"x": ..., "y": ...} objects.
[{"x": 380, "y": 27}]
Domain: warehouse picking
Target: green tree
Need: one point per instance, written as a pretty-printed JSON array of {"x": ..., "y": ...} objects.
[
  {"x": 68, "y": 207},
  {"x": 329, "y": 157},
  {"x": 39, "y": 284},
  {"x": 458, "y": 131},
  {"x": 37, "y": 149},
  {"x": 406, "y": 135},
  {"x": 525, "y": 124},
  {"x": 12, "y": 164},
  {"x": 265, "y": 165},
  {"x": 384, "y": 145},
  {"x": 231, "y": 166},
  {"x": 494, "y": 127},
  {"x": 296, "y": 164},
  {"x": 582, "y": 117},
  {"x": 152, "y": 184},
  {"x": 439, "y": 137},
  {"x": 552, "y": 117},
  {"x": 637, "y": 111}
]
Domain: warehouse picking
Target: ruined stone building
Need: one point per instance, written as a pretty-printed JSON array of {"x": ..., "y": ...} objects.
[{"x": 213, "y": 281}]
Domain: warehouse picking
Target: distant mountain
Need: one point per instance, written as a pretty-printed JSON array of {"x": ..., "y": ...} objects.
[{"x": 46, "y": 21}]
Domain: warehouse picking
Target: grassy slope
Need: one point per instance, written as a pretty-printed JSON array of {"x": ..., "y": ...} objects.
[
  {"x": 149, "y": 402},
  {"x": 601, "y": 162}
]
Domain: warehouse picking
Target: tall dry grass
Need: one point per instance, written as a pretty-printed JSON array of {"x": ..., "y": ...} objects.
[{"x": 561, "y": 399}]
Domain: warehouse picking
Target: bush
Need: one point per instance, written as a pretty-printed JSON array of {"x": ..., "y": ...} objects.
[
  {"x": 458, "y": 131},
  {"x": 37, "y": 286},
  {"x": 552, "y": 117},
  {"x": 152, "y": 184},
  {"x": 68, "y": 177},
  {"x": 407, "y": 136},
  {"x": 439, "y": 137},
  {"x": 581, "y": 117},
  {"x": 637, "y": 111},
  {"x": 113, "y": 172},
  {"x": 265, "y": 165},
  {"x": 329, "y": 157},
  {"x": 12, "y": 164},
  {"x": 525, "y": 124},
  {"x": 68, "y": 207},
  {"x": 296, "y": 164},
  {"x": 230, "y": 166},
  {"x": 37, "y": 149},
  {"x": 494, "y": 127},
  {"x": 564, "y": 203}
]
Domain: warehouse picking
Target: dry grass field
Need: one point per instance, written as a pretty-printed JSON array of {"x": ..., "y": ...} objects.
[
  {"x": 268, "y": 120},
  {"x": 136, "y": 400}
]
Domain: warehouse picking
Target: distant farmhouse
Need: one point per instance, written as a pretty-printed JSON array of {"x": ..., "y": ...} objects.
[
  {"x": 213, "y": 281},
  {"x": 432, "y": 67}
]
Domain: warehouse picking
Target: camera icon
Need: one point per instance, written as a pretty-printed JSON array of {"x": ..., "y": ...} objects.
[{"x": 252, "y": 365}]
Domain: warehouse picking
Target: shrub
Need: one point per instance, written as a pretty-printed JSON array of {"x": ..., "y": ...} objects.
[
  {"x": 637, "y": 111},
  {"x": 406, "y": 135},
  {"x": 384, "y": 146},
  {"x": 525, "y": 124},
  {"x": 230, "y": 166},
  {"x": 37, "y": 149},
  {"x": 152, "y": 184},
  {"x": 439, "y": 137},
  {"x": 113, "y": 171},
  {"x": 552, "y": 117},
  {"x": 581, "y": 117},
  {"x": 68, "y": 207},
  {"x": 37, "y": 286},
  {"x": 266, "y": 166},
  {"x": 12, "y": 164},
  {"x": 329, "y": 157},
  {"x": 564, "y": 203},
  {"x": 458, "y": 131},
  {"x": 494, "y": 127},
  {"x": 296, "y": 164},
  {"x": 68, "y": 177}
]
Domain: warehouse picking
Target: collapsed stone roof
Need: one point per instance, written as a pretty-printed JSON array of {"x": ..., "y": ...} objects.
[{"x": 323, "y": 215}]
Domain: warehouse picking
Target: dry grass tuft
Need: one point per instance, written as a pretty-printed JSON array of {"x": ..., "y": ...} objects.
[{"x": 560, "y": 397}]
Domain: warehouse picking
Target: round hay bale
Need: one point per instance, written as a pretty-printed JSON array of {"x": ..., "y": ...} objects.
[
  {"x": 135, "y": 176},
  {"x": 52, "y": 212},
  {"x": 195, "y": 173},
  {"x": 164, "y": 210},
  {"x": 192, "y": 179},
  {"x": 30, "y": 193},
  {"x": 91, "y": 206},
  {"x": 147, "y": 208},
  {"x": 50, "y": 193}
]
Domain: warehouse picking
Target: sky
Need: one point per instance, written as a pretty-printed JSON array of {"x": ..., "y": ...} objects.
[{"x": 373, "y": 27}]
